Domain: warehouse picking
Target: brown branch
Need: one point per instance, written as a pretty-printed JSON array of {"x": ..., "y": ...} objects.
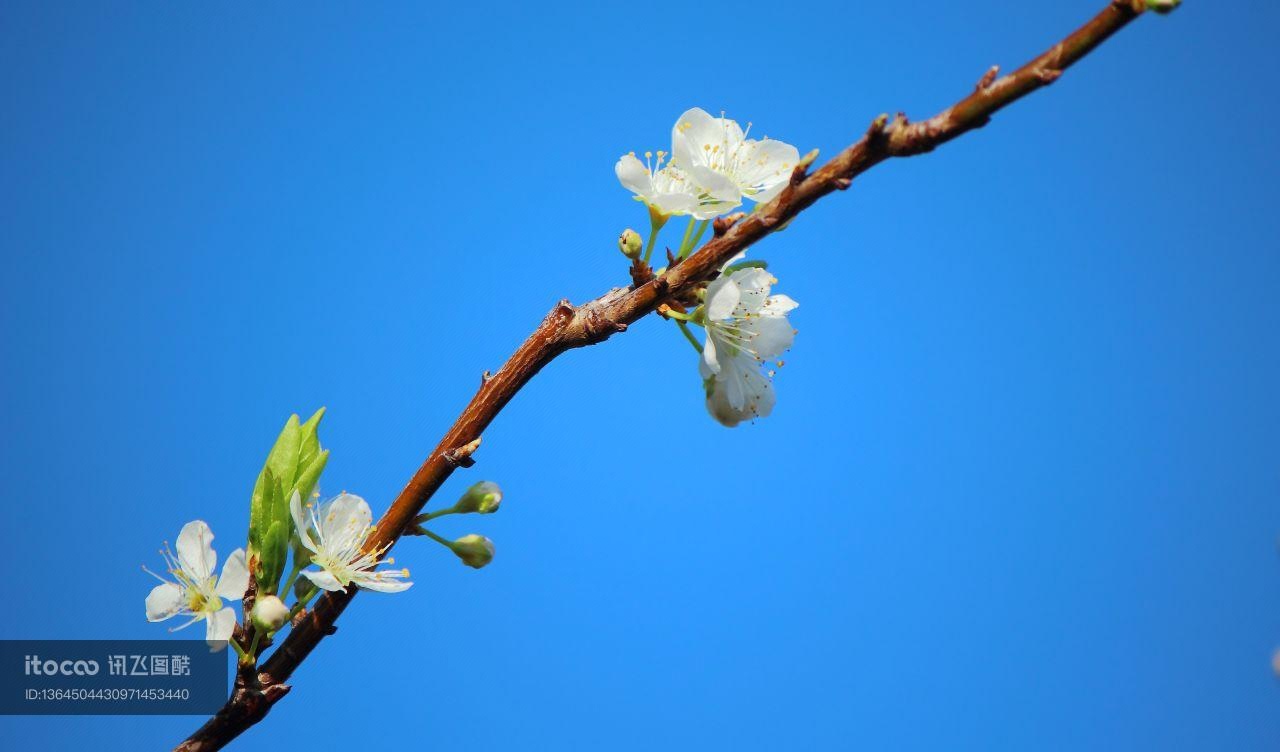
[{"x": 567, "y": 327}]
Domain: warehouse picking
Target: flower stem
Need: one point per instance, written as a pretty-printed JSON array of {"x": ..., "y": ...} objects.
[
  {"x": 302, "y": 602},
  {"x": 426, "y": 517},
  {"x": 442, "y": 541},
  {"x": 656, "y": 221},
  {"x": 244, "y": 657},
  {"x": 684, "y": 329},
  {"x": 688, "y": 233},
  {"x": 696, "y": 238},
  {"x": 679, "y": 316},
  {"x": 293, "y": 576},
  {"x": 253, "y": 646}
]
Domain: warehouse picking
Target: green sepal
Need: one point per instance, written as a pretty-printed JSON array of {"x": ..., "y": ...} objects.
[{"x": 745, "y": 265}]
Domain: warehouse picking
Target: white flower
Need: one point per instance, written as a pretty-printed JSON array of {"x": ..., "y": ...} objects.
[
  {"x": 669, "y": 191},
  {"x": 745, "y": 326},
  {"x": 758, "y": 169},
  {"x": 340, "y": 527},
  {"x": 197, "y": 593}
]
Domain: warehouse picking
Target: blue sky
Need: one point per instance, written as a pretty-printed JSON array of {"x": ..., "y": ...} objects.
[{"x": 1019, "y": 491}]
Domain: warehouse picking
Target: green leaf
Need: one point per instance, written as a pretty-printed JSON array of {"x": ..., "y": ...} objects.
[
  {"x": 283, "y": 459},
  {"x": 309, "y": 476},
  {"x": 310, "y": 446},
  {"x": 275, "y": 550}
]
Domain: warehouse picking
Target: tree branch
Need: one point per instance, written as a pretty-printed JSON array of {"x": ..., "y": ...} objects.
[{"x": 567, "y": 327}]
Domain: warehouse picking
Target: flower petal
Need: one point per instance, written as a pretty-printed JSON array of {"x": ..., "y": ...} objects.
[
  {"x": 710, "y": 363},
  {"x": 673, "y": 204},
  {"x": 771, "y": 335},
  {"x": 633, "y": 175},
  {"x": 752, "y": 388},
  {"x": 764, "y": 168},
  {"x": 754, "y": 284},
  {"x": 345, "y": 510},
  {"x": 383, "y": 582},
  {"x": 300, "y": 522},
  {"x": 344, "y": 523},
  {"x": 195, "y": 550},
  {"x": 778, "y": 305},
  {"x": 722, "y": 298},
  {"x": 760, "y": 395},
  {"x": 717, "y": 194},
  {"x": 731, "y": 382},
  {"x": 165, "y": 601},
  {"x": 700, "y": 139},
  {"x": 221, "y": 625},
  {"x": 322, "y": 579},
  {"x": 235, "y": 577}
]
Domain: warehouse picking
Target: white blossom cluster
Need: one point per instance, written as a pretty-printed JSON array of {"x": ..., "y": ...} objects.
[
  {"x": 711, "y": 168},
  {"x": 333, "y": 534}
]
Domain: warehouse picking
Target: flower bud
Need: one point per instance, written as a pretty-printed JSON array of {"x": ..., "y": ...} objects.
[
  {"x": 1163, "y": 6},
  {"x": 630, "y": 243},
  {"x": 269, "y": 613},
  {"x": 474, "y": 550},
  {"x": 482, "y": 498}
]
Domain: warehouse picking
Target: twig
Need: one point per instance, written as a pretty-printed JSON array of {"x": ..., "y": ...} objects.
[{"x": 567, "y": 327}]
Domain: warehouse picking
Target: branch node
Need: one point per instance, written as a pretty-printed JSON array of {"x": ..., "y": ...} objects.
[
  {"x": 1048, "y": 75},
  {"x": 988, "y": 78},
  {"x": 721, "y": 225},
  {"x": 877, "y": 126},
  {"x": 597, "y": 327},
  {"x": 640, "y": 272},
  {"x": 484, "y": 378},
  {"x": 807, "y": 160},
  {"x": 461, "y": 456}
]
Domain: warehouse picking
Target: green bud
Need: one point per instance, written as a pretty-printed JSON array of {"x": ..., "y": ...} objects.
[
  {"x": 269, "y": 613},
  {"x": 294, "y": 464},
  {"x": 475, "y": 550},
  {"x": 630, "y": 243},
  {"x": 1163, "y": 6},
  {"x": 482, "y": 498}
]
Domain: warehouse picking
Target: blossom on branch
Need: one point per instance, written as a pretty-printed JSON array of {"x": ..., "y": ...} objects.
[
  {"x": 745, "y": 326},
  {"x": 335, "y": 533},
  {"x": 197, "y": 593},
  {"x": 670, "y": 191},
  {"x": 702, "y": 145}
]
